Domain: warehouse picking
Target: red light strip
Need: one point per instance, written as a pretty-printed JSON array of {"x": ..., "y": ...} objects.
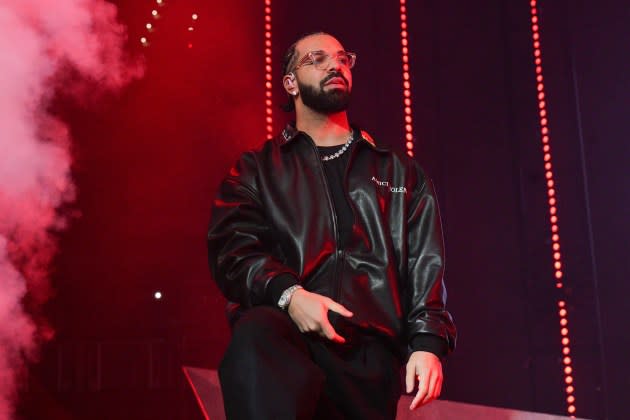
[
  {"x": 406, "y": 78},
  {"x": 268, "y": 74},
  {"x": 553, "y": 212},
  {"x": 150, "y": 27}
]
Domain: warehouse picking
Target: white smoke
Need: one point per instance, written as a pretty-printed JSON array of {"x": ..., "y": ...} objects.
[{"x": 40, "y": 40}]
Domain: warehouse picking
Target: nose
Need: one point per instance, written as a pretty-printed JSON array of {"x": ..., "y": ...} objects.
[{"x": 333, "y": 64}]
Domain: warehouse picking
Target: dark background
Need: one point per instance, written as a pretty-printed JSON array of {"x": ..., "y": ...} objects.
[{"x": 148, "y": 161}]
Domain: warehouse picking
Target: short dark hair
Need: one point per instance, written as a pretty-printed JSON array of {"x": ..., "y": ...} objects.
[{"x": 288, "y": 63}]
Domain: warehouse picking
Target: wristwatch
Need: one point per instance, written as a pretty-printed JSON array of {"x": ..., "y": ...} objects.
[{"x": 285, "y": 298}]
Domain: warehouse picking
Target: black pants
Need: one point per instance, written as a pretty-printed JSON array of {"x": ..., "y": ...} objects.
[{"x": 273, "y": 371}]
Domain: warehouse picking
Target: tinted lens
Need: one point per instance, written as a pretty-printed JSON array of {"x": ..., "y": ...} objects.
[{"x": 320, "y": 60}]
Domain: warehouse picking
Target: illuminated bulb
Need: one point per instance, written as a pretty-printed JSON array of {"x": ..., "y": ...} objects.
[
  {"x": 154, "y": 13},
  {"x": 149, "y": 26},
  {"x": 159, "y": 1},
  {"x": 143, "y": 40},
  {"x": 195, "y": 16},
  {"x": 157, "y": 295},
  {"x": 190, "y": 29}
]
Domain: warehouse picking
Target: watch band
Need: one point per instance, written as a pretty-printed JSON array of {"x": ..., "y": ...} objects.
[{"x": 285, "y": 298}]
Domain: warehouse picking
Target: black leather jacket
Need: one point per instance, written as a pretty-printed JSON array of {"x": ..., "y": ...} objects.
[{"x": 273, "y": 214}]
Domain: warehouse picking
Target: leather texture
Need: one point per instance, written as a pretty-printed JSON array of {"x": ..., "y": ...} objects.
[{"x": 273, "y": 214}]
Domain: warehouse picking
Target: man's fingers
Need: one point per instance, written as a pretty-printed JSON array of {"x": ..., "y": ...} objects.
[
  {"x": 423, "y": 387},
  {"x": 410, "y": 377},
  {"x": 431, "y": 383},
  {"x": 416, "y": 400},
  {"x": 339, "y": 308},
  {"x": 330, "y": 333},
  {"x": 438, "y": 388}
]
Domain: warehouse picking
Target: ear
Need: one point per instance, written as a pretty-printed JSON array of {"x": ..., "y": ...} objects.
[{"x": 290, "y": 84}]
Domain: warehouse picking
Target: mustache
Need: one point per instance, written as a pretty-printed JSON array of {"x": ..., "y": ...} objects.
[{"x": 332, "y": 76}]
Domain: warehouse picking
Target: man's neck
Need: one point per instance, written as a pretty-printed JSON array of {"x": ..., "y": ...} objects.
[{"x": 325, "y": 130}]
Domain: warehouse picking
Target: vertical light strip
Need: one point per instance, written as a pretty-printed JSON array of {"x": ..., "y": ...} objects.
[
  {"x": 553, "y": 212},
  {"x": 150, "y": 27},
  {"x": 406, "y": 78},
  {"x": 268, "y": 73}
]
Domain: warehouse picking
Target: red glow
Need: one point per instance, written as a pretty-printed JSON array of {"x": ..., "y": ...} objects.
[{"x": 406, "y": 78}]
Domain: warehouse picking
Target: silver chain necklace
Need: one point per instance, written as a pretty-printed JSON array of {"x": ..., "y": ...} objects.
[{"x": 340, "y": 151}]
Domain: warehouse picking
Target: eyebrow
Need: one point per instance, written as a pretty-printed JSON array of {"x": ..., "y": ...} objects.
[{"x": 322, "y": 51}]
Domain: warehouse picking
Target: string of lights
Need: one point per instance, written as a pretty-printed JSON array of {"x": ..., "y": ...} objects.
[
  {"x": 406, "y": 78},
  {"x": 268, "y": 72},
  {"x": 553, "y": 211},
  {"x": 150, "y": 26},
  {"x": 156, "y": 16}
]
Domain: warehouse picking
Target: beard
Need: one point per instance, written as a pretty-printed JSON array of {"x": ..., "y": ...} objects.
[{"x": 325, "y": 102}]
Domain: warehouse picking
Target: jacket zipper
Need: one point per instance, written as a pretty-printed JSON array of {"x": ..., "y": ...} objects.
[{"x": 331, "y": 206}]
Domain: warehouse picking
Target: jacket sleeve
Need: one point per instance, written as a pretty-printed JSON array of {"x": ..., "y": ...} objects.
[
  {"x": 427, "y": 317},
  {"x": 240, "y": 251}
]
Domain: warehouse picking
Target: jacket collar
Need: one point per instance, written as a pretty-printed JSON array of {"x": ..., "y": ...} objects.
[{"x": 290, "y": 132}]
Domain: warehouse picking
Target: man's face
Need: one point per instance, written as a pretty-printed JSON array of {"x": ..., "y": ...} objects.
[{"x": 324, "y": 90}]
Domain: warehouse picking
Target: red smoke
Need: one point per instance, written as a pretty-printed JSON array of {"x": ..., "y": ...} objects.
[{"x": 38, "y": 40}]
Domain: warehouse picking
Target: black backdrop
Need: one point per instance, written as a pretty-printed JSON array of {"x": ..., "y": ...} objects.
[{"x": 148, "y": 163}]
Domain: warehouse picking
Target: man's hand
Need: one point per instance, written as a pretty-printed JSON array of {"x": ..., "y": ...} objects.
[
  {"x": 427, "y": 368},
  {"x": 309, "y": 311}
]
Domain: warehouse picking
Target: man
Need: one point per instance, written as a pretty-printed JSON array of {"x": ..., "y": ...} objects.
[{"x": 330, "y": 251}]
